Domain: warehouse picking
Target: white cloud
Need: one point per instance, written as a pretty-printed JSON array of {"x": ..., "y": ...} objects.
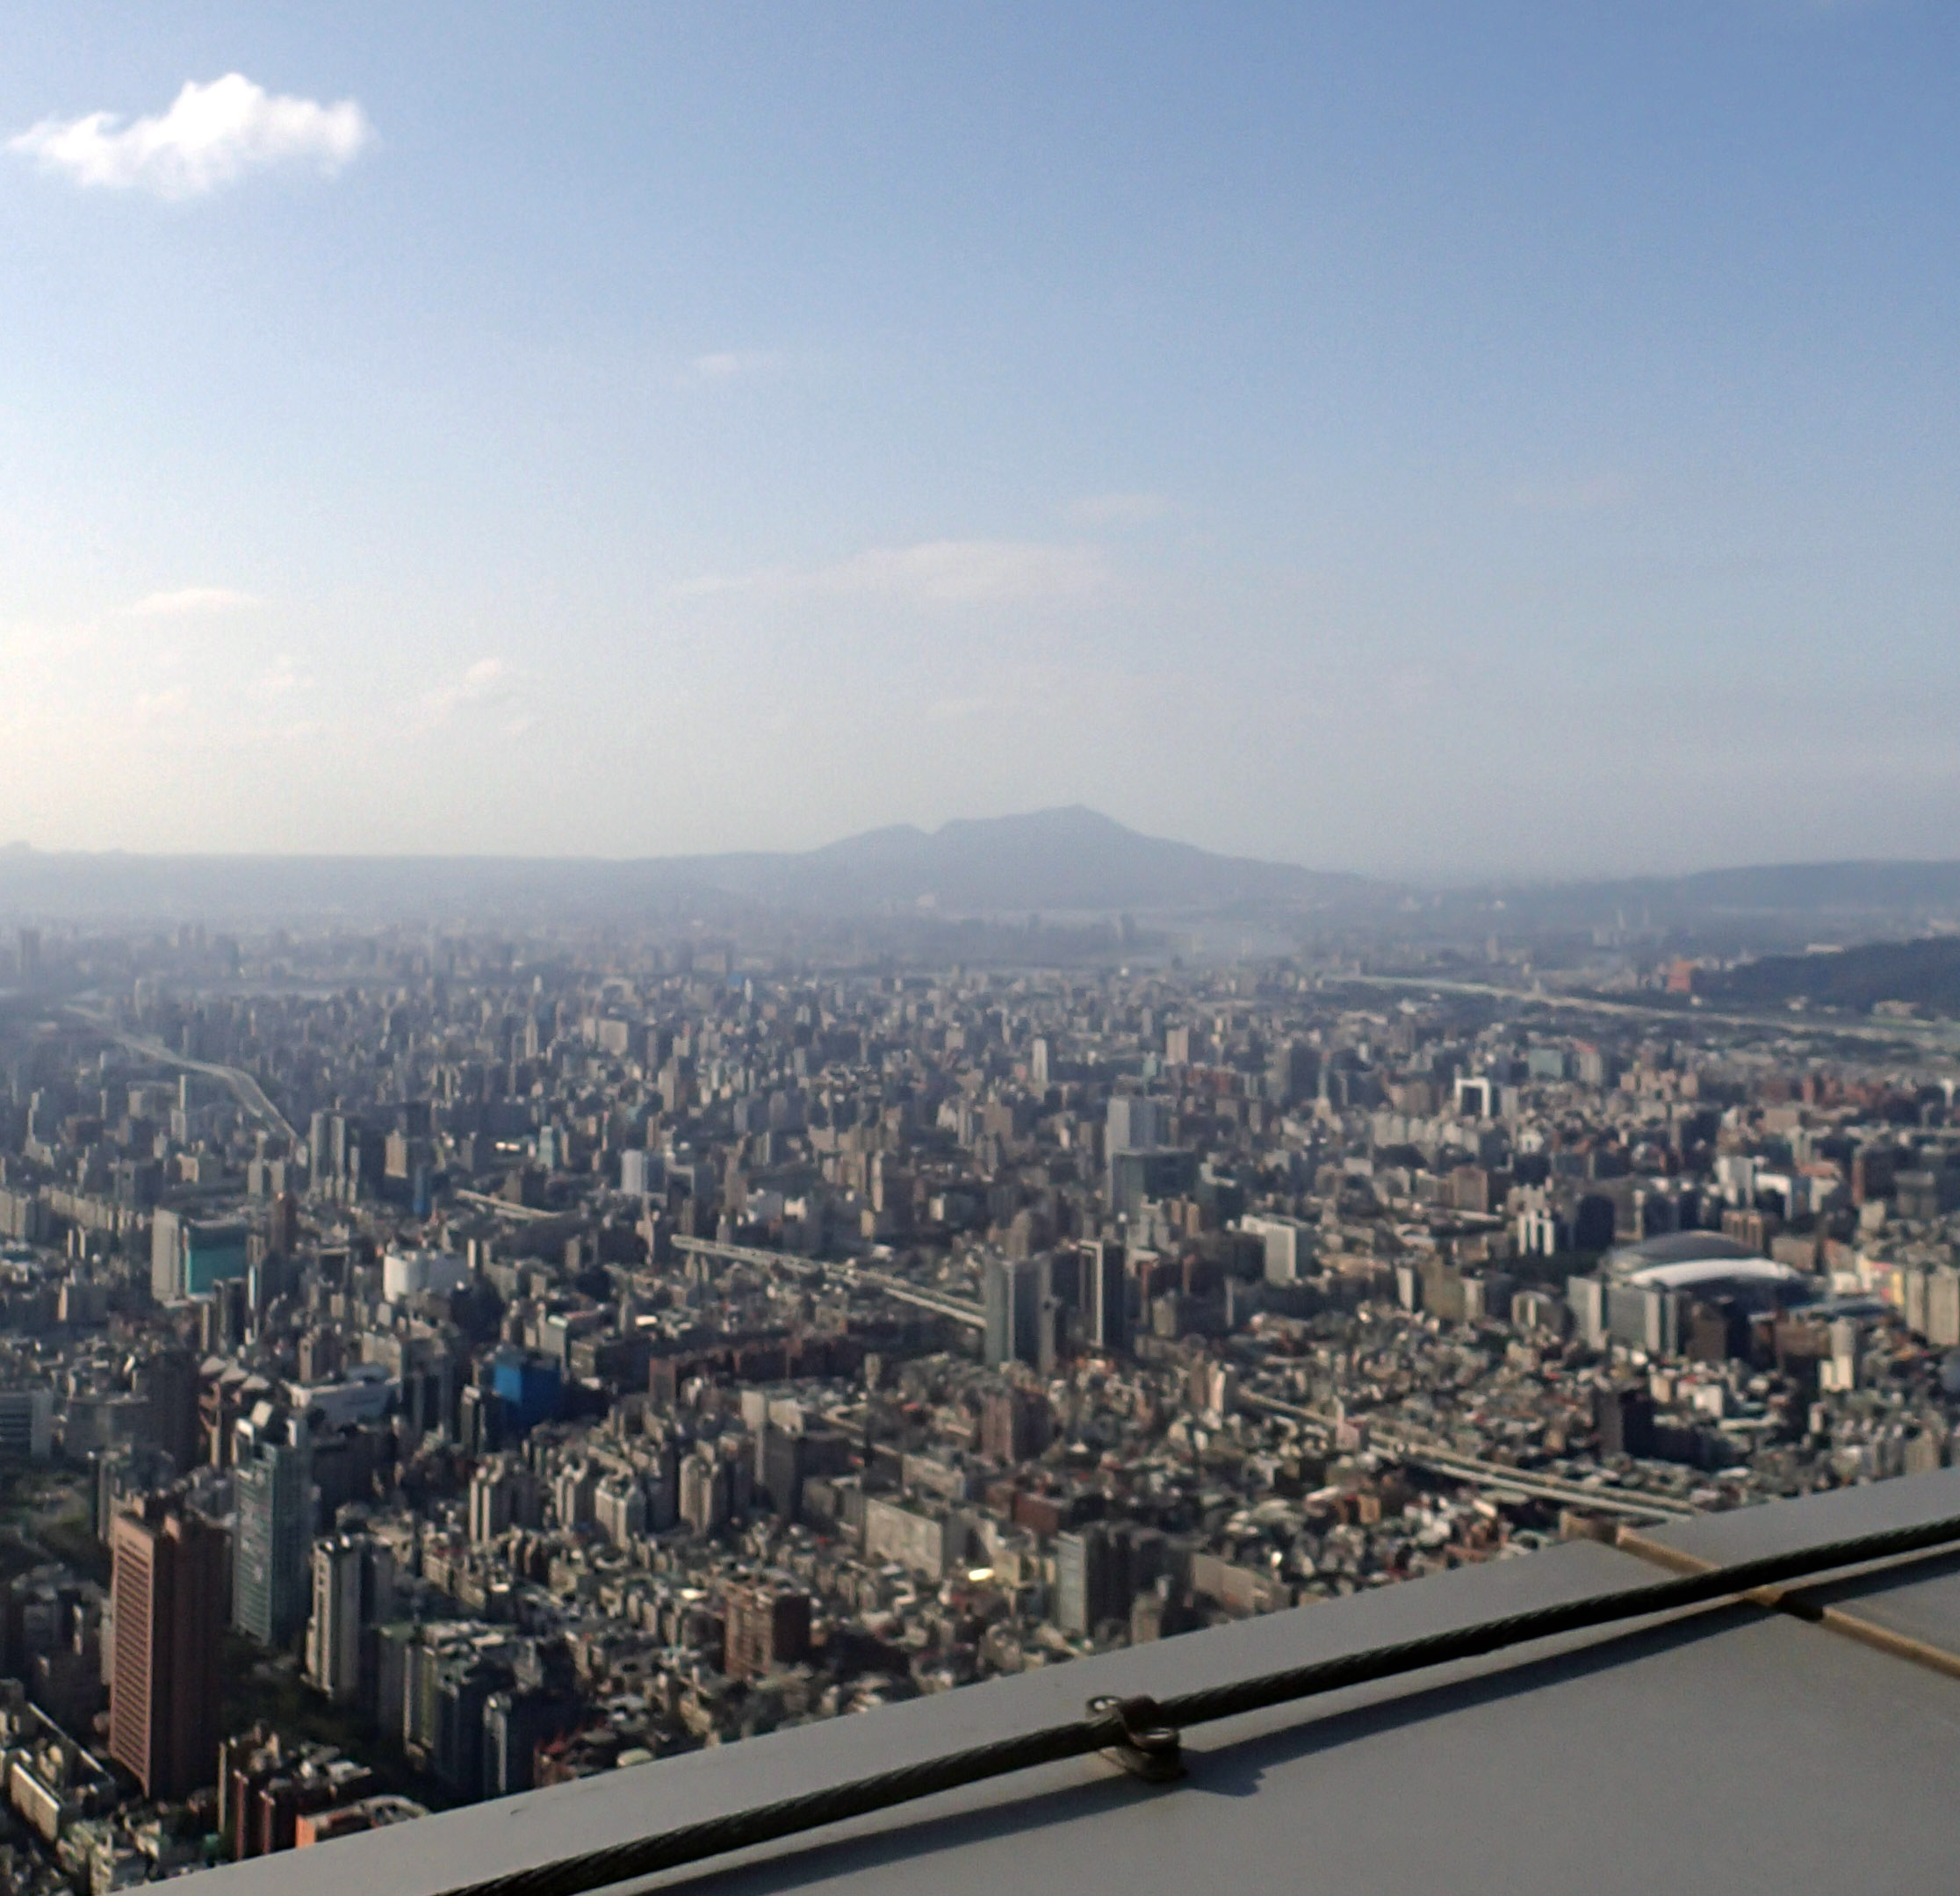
[
  {"x": 167, "y": 706},
  {"x": 732, "y": 364},
  {"x": 933, "y": 572},
  {"x": 482, "y": 687},
  {"x": 284, "y": 679},
  {"x": 210, "y": 136},
  {"x": 487, "y": 682},
  {"x": 1118, "y": 510},
  {"x": 189, "y": 599}
]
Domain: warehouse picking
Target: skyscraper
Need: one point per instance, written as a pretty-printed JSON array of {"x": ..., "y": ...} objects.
[
  {"x": 170, "y": 1381},
  {"x": 168, "y": 1587},
  {"x": 26, "y": 1422},
  {"x": 1012, "y": 1292},
  {"x": 353, "y": 1590},
  {"x": 1107, "y": 1296},
  {"x": 166, "y": 1258},
  {"x": 1135, "y": 1122},
  {"x": 1084, "y": 1593},
  {"x": 273, "y": 1485}
]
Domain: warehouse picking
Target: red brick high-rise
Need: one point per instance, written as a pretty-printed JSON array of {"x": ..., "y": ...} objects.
[{"x": 169, "y": 1598}]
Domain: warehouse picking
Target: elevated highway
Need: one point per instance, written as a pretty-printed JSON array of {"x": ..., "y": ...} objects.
[
  {"x": 848, "y": 1276},
  {"x": 1407, "y": 1446},
  {"x": 247, "y": 1092},
  {"x": 1404, "y": 1444}
]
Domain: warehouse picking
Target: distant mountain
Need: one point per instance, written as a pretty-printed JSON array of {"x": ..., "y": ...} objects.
[
  {"x": 1050, "y": 861},
  {"x": 1814, "y": 889},
  {"x": 1061, "y": 860},
  {"x": 1770, "y": 905}
]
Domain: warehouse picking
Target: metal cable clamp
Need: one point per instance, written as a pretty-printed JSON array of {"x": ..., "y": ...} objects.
[{"x": 1147, "y": 1746}]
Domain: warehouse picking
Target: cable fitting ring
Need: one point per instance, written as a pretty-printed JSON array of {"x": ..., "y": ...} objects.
[{"x": 1148, "y": 1747}]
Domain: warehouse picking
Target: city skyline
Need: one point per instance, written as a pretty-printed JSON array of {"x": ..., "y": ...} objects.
[
  {"x": 1414, "y": 444},
  {"x": 603, "y": 1346},
  {"x": 848, "y": 850}
]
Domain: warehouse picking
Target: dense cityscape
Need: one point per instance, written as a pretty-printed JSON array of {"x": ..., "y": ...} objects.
[
  {"x": 946, "y": 947},
  {"x": 440, "y": 1362}
]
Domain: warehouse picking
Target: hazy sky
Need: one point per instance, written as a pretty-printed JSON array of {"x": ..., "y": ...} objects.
[{"x": 1392, "y": 436}]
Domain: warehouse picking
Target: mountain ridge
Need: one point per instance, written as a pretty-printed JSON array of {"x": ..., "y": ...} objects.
[
  {"x": 1067, "y": 859},
  {"x": 1064, "y": 859}
]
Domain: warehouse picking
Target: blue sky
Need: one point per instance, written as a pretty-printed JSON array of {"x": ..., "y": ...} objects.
[{"x": 1420, "y": 438}]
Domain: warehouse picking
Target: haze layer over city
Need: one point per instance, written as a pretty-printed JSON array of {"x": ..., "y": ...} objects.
[{"x": 846, "y": 851}]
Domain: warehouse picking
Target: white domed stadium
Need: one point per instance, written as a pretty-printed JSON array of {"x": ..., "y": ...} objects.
[{"x": 1708, "y": 1264}]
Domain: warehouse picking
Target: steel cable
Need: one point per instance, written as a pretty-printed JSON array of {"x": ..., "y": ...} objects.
[{"x": 1143, "y": 1732}]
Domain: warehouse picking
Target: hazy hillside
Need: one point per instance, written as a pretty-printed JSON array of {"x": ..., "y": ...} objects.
[
  {"x": 1048, "y": 862},
  {"x": 1775, "y": 906},
  {"x": 1926, "y": 973},
  {"x": 1052, "y": 860}
]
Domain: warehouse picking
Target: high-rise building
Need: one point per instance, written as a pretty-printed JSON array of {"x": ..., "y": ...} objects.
[
  {"x": 26, "y": 1422},
  {"x": 1011, "y": 1293},
  {"x": 1624, "y": 1413},
  {"x": 334, "y": 1630},
  {"x": 320, "y": 1164},
  {"x": 1013, "y": 1425},
  {"x": 1135, "y": 1122},
  {"x": 781, "y": 1465},
  {"x": 169, "y": 1588},
  {"x": 282, "y": 1224},
  {"x": 28, "y": 960},
  {"x": 191, "y": 1257},
  {"x": 491, "y": 1502},
  {"x": 515, "y": 1723},
  {"x": 766, "y": 1629},
  {"x": 353, "y": 1591},
  {"x": 1587, "y": 1296},
  {"x": 703, "y": 1492},
  {"x": 1293, "y": 1073},
  {"x": 166, "y": 1262},
  {"x": 1139, "y": 1177},
  {"x": 1050, "y": 1334},
  {"x": 1083, "y": 1575},
  {"x": 530, "y": 1387},
  {"x": 1288, "y": 1246},
  {"x": 272, "y": 1483},
  {"x": 619, "y": 1509},
  {"x": 1107, "y": 1296},
  {"x": 214, "y": 1252},
  {"x": 168, "y": 1380},
  {"x": 461, "y": 1685}
]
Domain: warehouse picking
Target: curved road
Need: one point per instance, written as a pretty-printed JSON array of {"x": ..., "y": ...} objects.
[
  {"x": 1412, "y": 1448},
  {"x": 1404, "y": 1446},
  {"x": 248, "y": 1092}
]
